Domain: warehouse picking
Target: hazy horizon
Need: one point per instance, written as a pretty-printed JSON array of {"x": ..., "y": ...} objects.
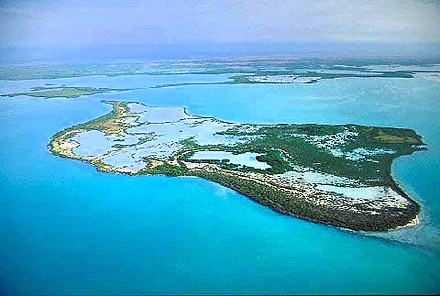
[
  {"x": 64, "y": 30},
  {"x": 112, "y": 52}
]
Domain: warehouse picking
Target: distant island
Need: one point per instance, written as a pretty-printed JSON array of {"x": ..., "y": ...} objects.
[
  {"x": 338, "y": 175},
  {"x": 48, "y": 92}
]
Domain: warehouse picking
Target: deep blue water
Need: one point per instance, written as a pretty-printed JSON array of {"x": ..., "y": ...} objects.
[{"x": 66, "y": 228}]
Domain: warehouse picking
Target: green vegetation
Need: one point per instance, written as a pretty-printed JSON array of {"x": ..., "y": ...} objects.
[
  {"x": 285, "y": 66},
  {"x": 246, "y": 79},
  {"x": 166, "y": 169},
  {"x": 286, "y": 146},
  {"x": 62, "y": 92},
  {"x": 396, "y": 136},
  {"x": 308, "y": 209},
  {"x": 361, "y": 154},
  {"x": 110, "y": 124}
]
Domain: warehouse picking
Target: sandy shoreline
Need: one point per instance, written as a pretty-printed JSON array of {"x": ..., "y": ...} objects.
[{"x": 413, "y": 223}]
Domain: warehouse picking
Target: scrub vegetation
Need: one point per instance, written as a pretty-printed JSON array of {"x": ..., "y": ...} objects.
[
  {"x": 360, "y": 155},
  {"x": 62, "y": 92}
]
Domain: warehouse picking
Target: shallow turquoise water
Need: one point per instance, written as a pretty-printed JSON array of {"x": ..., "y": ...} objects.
[{"x": 66, "y": 228}]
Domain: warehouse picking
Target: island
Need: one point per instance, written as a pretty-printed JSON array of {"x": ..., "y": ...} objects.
[
  {"x": 338, "y": 175},
  {"x": 48, "y": 92}
]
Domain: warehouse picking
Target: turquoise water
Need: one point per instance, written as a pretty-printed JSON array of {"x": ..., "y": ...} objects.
[{"x": 66, "y": 228}]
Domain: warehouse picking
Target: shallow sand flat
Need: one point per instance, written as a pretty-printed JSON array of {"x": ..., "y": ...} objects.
[
  {"x": 167, "y": 135},
  {"x": 162, "y": 114},
  {"x": 125, "y": 159},
  {"x": 92, "y": 143},
  {"x": 137, "y": 108},
  {"x": 359, "y": 153},
  {"x": 125, "y": 139},
  {"x": 159, "y": 128},
  {"x": 282, "y": 79},
  {"x": 373, "y": 192},
  {"x": 307, "y": 176}
]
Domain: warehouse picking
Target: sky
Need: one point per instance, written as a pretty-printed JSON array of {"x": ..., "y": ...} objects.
[
  {"x": 63, "y": 22},
  {"x": 173, "y": 22}
]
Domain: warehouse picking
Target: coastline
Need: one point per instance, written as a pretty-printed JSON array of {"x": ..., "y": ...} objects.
[
  {"x": 291, "y": 198},
  {"x": 413, "y": 223}
]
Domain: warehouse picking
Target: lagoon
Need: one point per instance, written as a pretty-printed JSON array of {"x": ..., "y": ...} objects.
[{"x": 247, "y": 159}]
